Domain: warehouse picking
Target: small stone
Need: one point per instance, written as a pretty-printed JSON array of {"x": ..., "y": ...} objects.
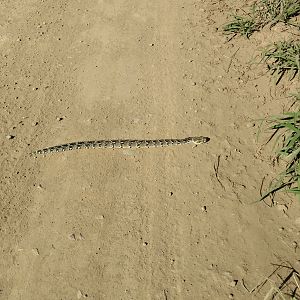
[
  {"x": 151, "y": 45},
  {"x": 59, "y": 119},
  {"x": 101, "y": 217},
  {"x": 282, "y": 207},
  {"x": 250, "y": 124},
  {"x": 34, "y": 123},
  {"x": 231, "y": 296},
  {"x": 10, "y": 137},
  {"x": 80, "y": 237},
  {"x": 233, "y": 283},
  {"x": 35, "y": 251},
  {"x": 171, "y": 193},
  {"x": 145, "y": 243},
  {"x": 80, "y": 295},
  {"x": 40, "y": 187},
  {"x": 194, "y": 83},
  {"x": 72, "y": 237},
  {"x": 281, "y": 229},
  {"x": 204, "y": 208}
]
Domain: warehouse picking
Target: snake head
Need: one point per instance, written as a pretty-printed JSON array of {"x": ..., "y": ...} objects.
[{"x": 200, "y": 140}]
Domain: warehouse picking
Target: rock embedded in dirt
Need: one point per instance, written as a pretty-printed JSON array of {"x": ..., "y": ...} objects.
[
  {"x": 35, "y": 251},
  {"x": 72, "y": 237},
  {"x": 10, "y": 137},
  {"x": 233, "y": 283}
]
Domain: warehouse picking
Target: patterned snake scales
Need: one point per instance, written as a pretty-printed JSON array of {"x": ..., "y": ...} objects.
[{"x": 123, "y": 144}]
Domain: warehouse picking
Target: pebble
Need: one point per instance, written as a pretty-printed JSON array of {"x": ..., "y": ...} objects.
[
  {"x": 231, "y": 296},
  {"x": 76, "y": 237},
  {"x": 80, "y": 237},
  {"x": 72, "y": 237},
  {"x": 59, "y": 118},
  {"x": 35, "y": 251},
  {"x": 79, "y": 294},
  {"x": 233, "y": 283},
  {"x": 40, "y": 187},
  {"x": 10, "y": 137},
  {"x": 282, "y": 207},
  {"x": 204, "y": 208},
  {"x": 250, "y": 124},
  {"x": 151, "y": 45}
]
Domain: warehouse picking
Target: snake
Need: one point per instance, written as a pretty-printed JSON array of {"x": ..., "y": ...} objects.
[{"x": 112, "y": 144}]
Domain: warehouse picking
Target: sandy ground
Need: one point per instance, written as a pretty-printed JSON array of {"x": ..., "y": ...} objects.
[{"x": 146, "y": 223}]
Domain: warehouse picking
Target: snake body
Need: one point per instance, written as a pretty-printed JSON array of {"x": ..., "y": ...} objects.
[{"x": 122, "y": 144}]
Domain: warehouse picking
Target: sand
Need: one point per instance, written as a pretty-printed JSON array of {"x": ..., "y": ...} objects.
[{"x": 160, "y": 223}]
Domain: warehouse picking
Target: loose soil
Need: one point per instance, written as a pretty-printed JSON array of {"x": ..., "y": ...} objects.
[{"x": 161, "y": 223}]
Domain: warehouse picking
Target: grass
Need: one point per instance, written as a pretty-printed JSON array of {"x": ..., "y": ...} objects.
[
  {"x": 262, "y": 13},
  {"x": 284, "y": 284},
  {"x": 274, "y": 11},
  {"x": 245, "y": 26},
  {"x": 283, "y": 58},
  {"x": 286, "y": 130}
]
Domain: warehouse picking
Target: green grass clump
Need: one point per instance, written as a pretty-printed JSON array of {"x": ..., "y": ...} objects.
[
  {"x": 286, "y": 129},
  {"x": 245, "y": 26},
  {"x": 282, "y": 58},
  {"x": 262, "y": 13},
  {"x": 274, "y": 11}
]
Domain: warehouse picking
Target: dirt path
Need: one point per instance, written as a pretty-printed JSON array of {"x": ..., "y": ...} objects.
[{"x": 133, "y": 224}]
